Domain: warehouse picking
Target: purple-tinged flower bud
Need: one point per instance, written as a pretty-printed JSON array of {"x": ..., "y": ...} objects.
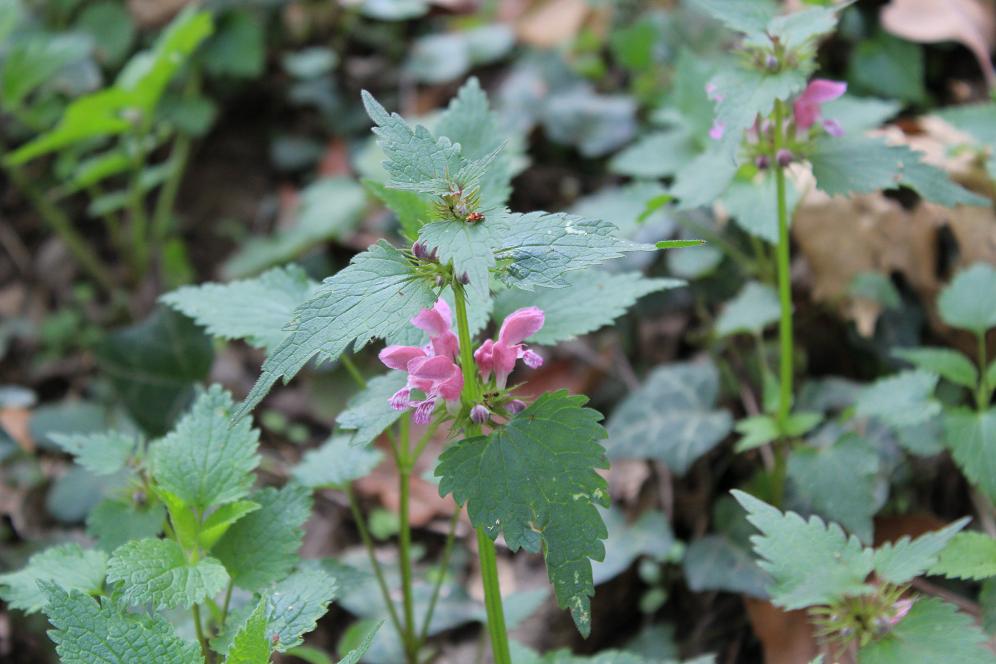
[
  {"x": 439, "y": 281},
  {"x": 784, "y": 157},
  {"x": 419, "y": 251},
  {"x": 762, "y": 162},
  {"x": 479, "y": 414},
  {"x": 771, "y": 62},
  {"x": 515, "y": 406},
  {"x": 464, "y": 278},
  {"x": 434, "y": 254}
]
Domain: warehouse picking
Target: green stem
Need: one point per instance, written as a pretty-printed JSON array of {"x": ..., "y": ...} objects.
[
  {"x": 166, "y": 201},
  {"x": 405, "y": 538},
  {"x": 444, "y": 563},
  {"x": 361, "y": 525},
  {"x": 492, "y": 598},
  {"x": 63, "y": 227},
  {"x": 486, "y": 548},
  {"x": 985, "y": 390},
  {"x": 228, "y": 601},
  {"x": 354, "y": 372},
  {"x": 196, "y": 611},
  {"x": 139, "y": 220},
  {"x": 784, "y": 277}
]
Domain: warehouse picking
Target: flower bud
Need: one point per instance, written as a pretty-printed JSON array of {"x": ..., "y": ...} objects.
[
  {"x": 515, "y": 406},
  {"x": 464, "y": 278},
  {"x": 784, "y": 157},
  {"x": 762, "y": 162},
  {"x": 439, "y": 281},
  {"x": 419, "y": 251},
  {"x": 771, "y": 63},
  {"x": 479, "y": 414}
]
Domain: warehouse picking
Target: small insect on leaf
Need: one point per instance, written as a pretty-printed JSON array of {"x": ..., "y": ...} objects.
[{"x": 475, "y": 217}]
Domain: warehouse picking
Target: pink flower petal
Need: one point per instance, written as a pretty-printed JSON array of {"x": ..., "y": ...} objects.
[
  {"x": 397, "y": 357},
  {"x": 532, "y": 359},
  {"x": 446, "y": 344},
  {"x": 504, "y": 362},
  {"x": 435, "y": 368},
  {"x": 484, "y": 358},
  {"x": 434, "y": 321},
  {"x": 717, "y": 130},
  {"x": 822, "y": 90},
  {"x": 520, "y": 325}
]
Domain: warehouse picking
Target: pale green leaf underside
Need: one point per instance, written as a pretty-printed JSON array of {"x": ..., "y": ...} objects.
[
  {"x": 901, "y": 561},
  {"x": 88, "y": 632},
  {"x": 810, "y": 562},
  {"x": 945, "y": 362},
  {"x": 375, "y": 296},
  {"x": 933, "y": 632},
  {"x": 468, "y": 246},
  {"x": 904, "y": 399},
  {"x": 157, "y": 572},
  {"x": 336, "y": 463},
  {"x": 534, "y": 482},
  {"x": 969, "y": 555},
  {"x": 67, "y": 566},
  {"x": 252, "y": 309},
  {"x": 591, "y": 300},
  {"x": 278, "y": 522},
  {"x": 671, "y": 417},
  {"x": 752, "y": 310},
  {"x": 100, "y": 453},
  {"x": 207, "y": 459},
  {"x": 971, "y": 437},
  {"x": 969, "y": 301},
  {"x": 368, "y": 413}
]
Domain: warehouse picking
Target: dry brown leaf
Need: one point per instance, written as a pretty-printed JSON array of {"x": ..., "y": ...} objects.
[
  {"x": 15, "y": 421},
  {"x": 553, "y": 22},
  {"x": 968, "y": 22},
  {"x": 154, "y": 13},
  {"x": 786, "y": 636}
]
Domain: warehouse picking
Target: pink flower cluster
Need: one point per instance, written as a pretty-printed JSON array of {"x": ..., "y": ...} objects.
[
  {"x": 433, "y": 370},
  {"x": 806, "y": 109}
]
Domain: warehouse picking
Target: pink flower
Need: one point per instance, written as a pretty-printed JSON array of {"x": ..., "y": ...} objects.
[
  {"x": 718, "y": 128},
  {"x": 436, "y": 323},
  {"x": 500, "y": 356},
  {"x": 807, "y": 107}
]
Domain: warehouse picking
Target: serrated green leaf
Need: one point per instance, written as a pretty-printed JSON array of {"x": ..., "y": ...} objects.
[
  {"x": 747, "y": 93},
  {"x": 534, "y": 482},
  {"x": 753, "y": 309},
  {"x": 671, "y": 417},
  {"x": 100, "y": 453},
  {"x": 354, "y": 655},
  {"x": 294, "y": 606},
  {"x": 87, "y": 632},
  {"x": 971, "y": 437},
  {"x": 219, "y": 521},
  {"x": 207, "y": 459},
  {"x": 67, "y": 566},
  {"x": 796, "y": 29},
  {"x": 278, "y": 522},
  {"x": 336, "y": 463},
  {"x": 945, "y": 362},
  {"x": 969, "y": 555},
  {"x": 901, "y": 561},
  {"x": 747, "y": 16},
  {"x": 810, "y": 562},
  {"x": 181, "y": 515},
  {"x": 969, "y": 301},
  {"x": 375, "y": 296},
  {"x": 239, "y": 47},
  {"x": 856, "y": 115},
  {"x": 250, "y": 645},
  {"x": 469, "y": 121},
  {"x": 753, "y": 204},
  {"x": 658, "y": 154},
  {"x": 113, "y": 522},
  {"x": 591, "y": 300},
  {"x": 978, "y": 120},
  {"x": 862, "y": 164},
  {"x": 32, "y": 61},
  {"x": 901, "y": 400},
  {"x": 933, "y": 632},
  {"x": 716, "y": 563},
  {"x": 704, "y": 178},
  {"x": 539, "y": 248},
  {"x": 757, "y": 431},
  {"x": 369, "y": 413},
  {"x": 412, "y": 209},
  {"x": 223, "y": 309},
  {"x": 838, "y": 482},
  {"x": 157, "y": 572},
  {"x": 468, "y": 246}
]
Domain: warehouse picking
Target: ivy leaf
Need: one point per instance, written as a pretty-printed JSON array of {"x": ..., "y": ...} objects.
[
  {"x": 862, "y": 164},
  {"x": 904, "y": 399},
  {"x": 294, "y": 606},
  {"x": 971, "y": 437},
  {"x": 838, "y": 482},
  {"x": 467, "y": 246},
  {"x": 947, "y": 363},
  {"x": 368, "y": 412},
  {"x": 66, "y": 566},
  {"x": 278, "y": 522},
  {"x": 375, "y": 296},
  {"x": 87, "y": 632},
  {"x": 969, "y": 555},
  {"x": 753, "y": 309},
  {"x": 716, "y": 563},
  {"x": 792, "y": 549},
  {"x": 207, "y": 459},
  {"x": 538, "y": 248},
  {"x": 969, "y": 301},
  {"x": 336, "y": 463},
  {"x": 534, "y": 482},
  {"x": 114, "y": 522},
  {"x": 590, "y": 300},
  {"x": 670, "y": 417},
  {"x": 100, "y": 453},
  {"x": 901, "y": 561},
  {"x": 649, "y": 534},
  {"x": 469, "y": 121},
  {"x": 157, "y": 572},
  {"x": 747, "y": 93},
  {"x": 933, "y": 632},
  {"x": 250, "y": 644},
  {"x": 658, "y": 154},
  {"x": 222, "y": 309},
  {"x": 416, "y": 160}
]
